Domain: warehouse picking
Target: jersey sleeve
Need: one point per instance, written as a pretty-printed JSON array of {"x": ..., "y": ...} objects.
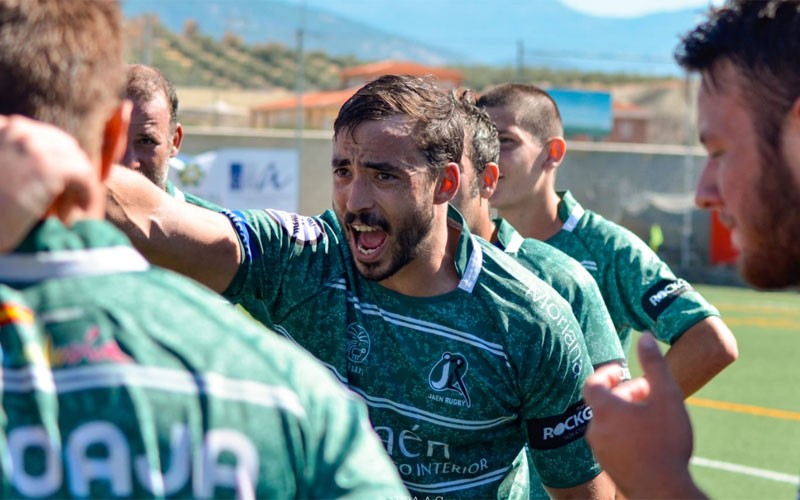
[
  {"x": 580, "y": 290},
  {"x": 286, "y": 257},
  {"x": 594, "y": 320},
  {"x": 555, "y": 416},
  {"x": 652, "y": 297}
]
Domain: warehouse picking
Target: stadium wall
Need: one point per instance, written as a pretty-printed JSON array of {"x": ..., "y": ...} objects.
[{"x": 634, "y": 185}]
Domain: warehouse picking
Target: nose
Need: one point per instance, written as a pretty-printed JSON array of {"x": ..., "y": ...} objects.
[
  {"x": 707, "y": 195},
  {"x": 359, "y": 196}
]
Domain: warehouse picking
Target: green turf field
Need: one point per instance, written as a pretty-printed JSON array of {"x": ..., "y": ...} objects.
[{"x": 747, "y": 420}]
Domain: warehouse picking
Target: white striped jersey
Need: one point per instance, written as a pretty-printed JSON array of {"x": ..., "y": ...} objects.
[{"x": 456, "y": 384}]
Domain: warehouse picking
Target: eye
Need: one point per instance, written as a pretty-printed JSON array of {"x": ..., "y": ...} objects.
[
  {"x": 147, "y": 141},
  {"x": 383, "y": 176},
  {"x": 340, "y": 172}
]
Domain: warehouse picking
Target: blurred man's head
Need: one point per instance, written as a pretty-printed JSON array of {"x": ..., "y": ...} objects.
[
  {"x": 61, "y": 63},
  {"x": 531, "y": 140},
  {"x": 396, "y": 147},
  {"x": 749, "y": 122},
  {"x": 154, "y": 135},
  {"x": 479, "y": 171}
]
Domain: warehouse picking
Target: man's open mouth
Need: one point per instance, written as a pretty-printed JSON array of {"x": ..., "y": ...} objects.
[{"x": 369, "y": 239}]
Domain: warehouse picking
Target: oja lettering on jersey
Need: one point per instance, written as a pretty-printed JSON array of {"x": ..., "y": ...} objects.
[
  {"x": 118, "y": 468},
  {"x": 563, "y": 326},
  {"x": 409, "y": 445}
]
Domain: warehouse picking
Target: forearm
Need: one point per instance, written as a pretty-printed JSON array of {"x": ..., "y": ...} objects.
[
  {"x": 600, "y": 487},
  {"x": 195, "y": 242},
  {"x": 701, "y": 353}
]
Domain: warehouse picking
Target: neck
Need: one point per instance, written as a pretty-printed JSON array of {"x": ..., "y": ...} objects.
[
  {"x": 484, "y": 226},
  {"x": 536, "y": 216},
  {"x": 433, "y": 271}
]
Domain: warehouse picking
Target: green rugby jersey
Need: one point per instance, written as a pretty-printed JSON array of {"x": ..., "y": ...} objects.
[
  {"x": 639, "y": 289},
  {"x": 123, "y": 380},
  {"x": 572, "y": 282},
  {"x": 456, "y": 384},
  {"x": 579, "y": 289}
]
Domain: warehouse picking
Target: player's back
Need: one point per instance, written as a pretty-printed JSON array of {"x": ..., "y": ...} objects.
[{"x": 136, "y": 384}]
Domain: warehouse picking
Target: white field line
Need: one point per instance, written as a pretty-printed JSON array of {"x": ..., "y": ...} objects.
[{"x": 748, "y": 471}]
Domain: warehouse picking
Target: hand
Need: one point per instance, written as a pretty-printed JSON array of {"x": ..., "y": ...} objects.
[
  {"x": 640, "y": 432},
  {"x": 44, "y": 170}
]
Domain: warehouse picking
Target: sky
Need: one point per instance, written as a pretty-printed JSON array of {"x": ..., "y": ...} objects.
[{"x": 634, "y": 8}]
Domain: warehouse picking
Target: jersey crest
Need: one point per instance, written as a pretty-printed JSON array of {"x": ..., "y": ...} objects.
[
  {"x": 448, "y": 375},
  {"x": 358, "y": 343}
]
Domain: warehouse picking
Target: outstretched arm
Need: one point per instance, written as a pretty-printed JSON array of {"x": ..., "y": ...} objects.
[
  {"x": 44, "y": 172},
  {"x": 640, "y": 431},
  {"x": 193, "y": 241},
  {"x": 701, "y": 353}
]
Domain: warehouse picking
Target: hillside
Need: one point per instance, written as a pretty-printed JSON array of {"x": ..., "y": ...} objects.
[{"x": 193, "y": 58}]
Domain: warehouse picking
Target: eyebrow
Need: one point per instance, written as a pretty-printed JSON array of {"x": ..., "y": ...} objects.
[
  {"x": 339, "y": 162},
  {"x": 381, "y": 166}
]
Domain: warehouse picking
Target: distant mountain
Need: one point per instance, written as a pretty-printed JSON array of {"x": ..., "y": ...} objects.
[
  {"x": 263, "y": 21},
  {"x": 492, "y": 32}
]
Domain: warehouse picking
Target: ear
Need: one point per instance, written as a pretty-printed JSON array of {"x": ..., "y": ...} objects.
[
  {"x": 791, "y": 140},
  {"x": 177, "y": 138},
  {"x": 489, "y": 178},
  {"x": 555, "y": 148},
  {"x": 115, "y": 137},
  {"x": 447, "y": 185}
]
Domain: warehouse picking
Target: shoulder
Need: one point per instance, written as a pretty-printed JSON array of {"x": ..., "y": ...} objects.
[
  {"x": 301, "y": 228},
  {"x": 507, "y": 279},
  {"x": 554, "y": 265}
]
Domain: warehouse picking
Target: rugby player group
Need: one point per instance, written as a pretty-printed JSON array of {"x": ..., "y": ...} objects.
[{"x": 405, "y": 343}]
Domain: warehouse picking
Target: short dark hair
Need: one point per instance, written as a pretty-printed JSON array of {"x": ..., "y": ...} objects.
[
  {"x": 481, "y": 142},
  {"x": 146, "y": 82},
  {"x": 536, "y": 110},
  {"x": 761, "y": 39},
  {"x": 438, "y": 128},
  {"x": 61, "y": 63}
]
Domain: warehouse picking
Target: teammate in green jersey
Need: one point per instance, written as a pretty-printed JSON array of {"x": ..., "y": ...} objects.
[
  {"x": 480, "y": 172},
  {"x": 640, "y": 291},
  {"x": 120, "y": 379},
  {"x": 155, "y": 135},
  {"x": 462, "y": 355},
  {"x": 747, "y": 54}
]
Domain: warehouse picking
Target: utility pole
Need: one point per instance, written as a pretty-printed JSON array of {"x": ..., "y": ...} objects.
[
  {"x": 299, "y": 79},
  {"x": 300, "y": 114},
  {"x": 147, "y": 39},
  {"x": 688, "y": 163}
]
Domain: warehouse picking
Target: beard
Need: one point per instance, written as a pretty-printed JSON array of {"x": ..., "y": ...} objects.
[
  {"x": 410, "y": 235},
  {"x": 771, "y": 257},
  {"x": 157, "y": 174}
]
